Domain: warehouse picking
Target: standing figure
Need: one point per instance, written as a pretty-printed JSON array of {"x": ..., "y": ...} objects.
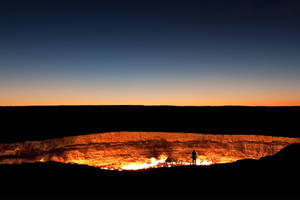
[{"x": 194, "y": 157}]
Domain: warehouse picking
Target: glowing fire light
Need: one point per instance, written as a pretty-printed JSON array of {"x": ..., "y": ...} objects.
[
  {"x": 161, "y": 162},
  {"x": 154, "y": 163},
  {"x": 104, "y": 150},
  {"x": 203, "y": 162}
]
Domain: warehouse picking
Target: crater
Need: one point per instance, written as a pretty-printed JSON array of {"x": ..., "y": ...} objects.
[{"x": 139, "y": 150}]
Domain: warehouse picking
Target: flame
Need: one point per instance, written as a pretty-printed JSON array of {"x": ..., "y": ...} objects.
[
  {"x": 153, "y": 163},
  {"x": 121, "y": 150},
  {"x": 161, "y": 162},
  {"x": 203, "y": 162}
]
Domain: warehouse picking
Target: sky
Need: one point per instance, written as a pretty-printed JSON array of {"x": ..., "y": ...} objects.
[{"x": 152, "y": 52}]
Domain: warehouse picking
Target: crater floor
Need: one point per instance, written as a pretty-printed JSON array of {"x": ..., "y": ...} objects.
[{"x": 137, "y": 150}]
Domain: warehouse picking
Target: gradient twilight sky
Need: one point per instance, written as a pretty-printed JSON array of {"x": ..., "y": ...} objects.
[{"x": 212, "y": 52}]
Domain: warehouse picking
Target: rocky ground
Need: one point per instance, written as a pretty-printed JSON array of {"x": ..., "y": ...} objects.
[{"x": 269, "y": 176}]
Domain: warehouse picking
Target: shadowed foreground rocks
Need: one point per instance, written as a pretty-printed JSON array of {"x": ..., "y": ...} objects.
[{"x": 270, "y": 176}]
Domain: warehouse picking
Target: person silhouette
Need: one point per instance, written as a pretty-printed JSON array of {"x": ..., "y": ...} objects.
[{"x": 194, "y": 156}]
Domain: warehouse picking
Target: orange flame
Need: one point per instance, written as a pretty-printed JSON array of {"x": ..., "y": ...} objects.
[
  {"x": 161, "y": 162},
  {"x": 105, "y": 150},
  {"x": 153, "y": 163},
  {"x": 203, "y": 162}
]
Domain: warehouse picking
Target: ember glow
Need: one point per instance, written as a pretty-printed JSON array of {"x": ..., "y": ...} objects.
[
  {"x": 142, "y": 150},
  {"x": 154, "y": 163},
  {"x": 161, "y": 162},
  {"x": 203, "y": 162}
]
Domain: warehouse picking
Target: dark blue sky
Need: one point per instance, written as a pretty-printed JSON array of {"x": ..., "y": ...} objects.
[{"x": 150, "y": 52}]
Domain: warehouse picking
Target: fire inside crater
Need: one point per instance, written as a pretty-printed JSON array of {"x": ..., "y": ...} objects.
[{"x": 142, "y": 150}]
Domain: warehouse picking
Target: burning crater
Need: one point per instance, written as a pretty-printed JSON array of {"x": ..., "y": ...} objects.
[{"x": 140, "y": 150}]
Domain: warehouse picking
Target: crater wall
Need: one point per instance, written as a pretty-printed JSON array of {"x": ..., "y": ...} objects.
[{"x": 114, "y": 150}]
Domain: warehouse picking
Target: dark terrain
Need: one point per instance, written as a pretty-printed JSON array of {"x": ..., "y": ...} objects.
[
  {"x": 270, "y": 176},
  {"x": 45, "y": 122}
]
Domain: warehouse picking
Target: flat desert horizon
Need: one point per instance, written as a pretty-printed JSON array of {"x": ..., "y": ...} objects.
[{"x": 149, "y": 99}]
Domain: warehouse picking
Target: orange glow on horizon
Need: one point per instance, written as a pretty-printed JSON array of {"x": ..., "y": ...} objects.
[
  {"x": 133, "y": 104},
  {"x": 182, "y": 92},
  {"x": 149, "y": 101},
  {"x": 189, "y": 99}
]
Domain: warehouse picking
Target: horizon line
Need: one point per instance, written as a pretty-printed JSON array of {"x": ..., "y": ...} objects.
[{"x": 148, "y": 105}]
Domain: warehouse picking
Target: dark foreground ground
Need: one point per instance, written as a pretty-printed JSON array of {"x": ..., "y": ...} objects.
[
  {"x": 271, "y": 176},
  {"x": 36, "y": 123}
]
